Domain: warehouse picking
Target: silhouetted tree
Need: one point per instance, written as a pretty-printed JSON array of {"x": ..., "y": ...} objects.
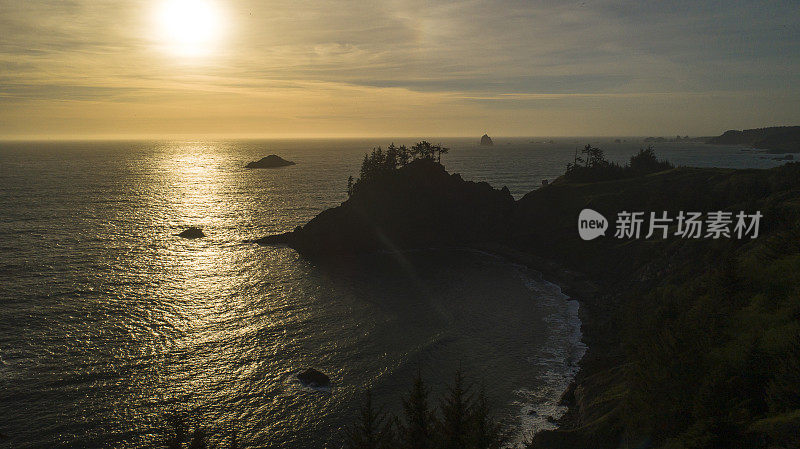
[
  {"x": 373, "y": 430},
  {"x": 645, "y": 161},
  {"x": 416, "y": 431},
  {"x": 594, "y": 156},
  {"x": 440, "y": 150},
  {"x": 392, "y": 156},
  {"x": 423, "y": 150},
  {"x": 403, "y": 155},
  {"x": 350, "y": 185},
  {"x": 454, "y": 426},
  {"x": 486, "y": 432}
]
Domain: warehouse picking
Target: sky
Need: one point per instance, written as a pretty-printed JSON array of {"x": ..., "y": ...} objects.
[{"x": 346, "y": 68}]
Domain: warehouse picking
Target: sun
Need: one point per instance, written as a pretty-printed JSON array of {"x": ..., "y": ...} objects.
[{"x": 189, "y": 28}]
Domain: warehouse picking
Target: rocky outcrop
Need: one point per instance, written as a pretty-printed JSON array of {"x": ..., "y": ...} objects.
[
  {"x": 417, "y": 206},
  {"x": 486, "y": 141},
  {"x": 192, "y": 233},
  {"x": 271, "y": 161},
  {"x": 313, "y": 378},
  {"x": 776, "y": 139}
]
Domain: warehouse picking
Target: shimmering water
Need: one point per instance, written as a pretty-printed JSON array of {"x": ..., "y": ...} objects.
[{"x": 109, "y": 323}]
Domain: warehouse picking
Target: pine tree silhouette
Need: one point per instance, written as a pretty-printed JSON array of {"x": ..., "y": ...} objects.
[
  {"x": 373, "y": 430},
  {"x": 454, "y": 427},
  {"x": 416, "y": 432}
]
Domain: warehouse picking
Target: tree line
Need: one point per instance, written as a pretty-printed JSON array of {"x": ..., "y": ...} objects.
[
  {"x": 592, "y": 165},
  {"x": 379, "y": 162},
  {"x": 462, "y": 420}
]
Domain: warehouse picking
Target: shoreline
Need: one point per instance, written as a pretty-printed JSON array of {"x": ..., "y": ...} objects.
[
  {"x": 575, "y": 286},
  {"x": 541, "y": 416}
]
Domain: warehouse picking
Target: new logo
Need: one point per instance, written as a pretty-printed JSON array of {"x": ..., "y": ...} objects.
[{"x": 591, "y": 224}]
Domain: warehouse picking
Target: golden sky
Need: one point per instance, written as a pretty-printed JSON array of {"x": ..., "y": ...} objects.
[{"x": 97, "y": 68}]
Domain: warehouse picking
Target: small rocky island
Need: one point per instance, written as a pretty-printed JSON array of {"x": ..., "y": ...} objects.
[
  {"x": 192, "y": 233},
  {"x": 486, "y": 141},
  {"x": 313, "y": 378},
  {"x": 271, "y": 161}
]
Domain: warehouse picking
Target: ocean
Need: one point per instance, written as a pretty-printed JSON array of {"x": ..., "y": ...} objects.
[{"x": 110, "y": 324}]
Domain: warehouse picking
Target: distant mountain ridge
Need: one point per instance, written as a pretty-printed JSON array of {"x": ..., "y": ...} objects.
[{"x": 775, "y": 139}]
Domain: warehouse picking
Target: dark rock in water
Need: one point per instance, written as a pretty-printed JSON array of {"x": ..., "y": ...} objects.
[
  {"x": 313, "y": 378},
  {"x": 788, "y": 157},
  {"x": 532, "y": 412},
  {"x": 486, "y": 141},
  {"x": 552, "y": 420},
  {"x": 271, "y": 161},
  {"x": 192, "y": 233}
]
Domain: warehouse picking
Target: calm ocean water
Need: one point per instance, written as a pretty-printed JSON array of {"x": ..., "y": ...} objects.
[{"x": 109, "y": 323}]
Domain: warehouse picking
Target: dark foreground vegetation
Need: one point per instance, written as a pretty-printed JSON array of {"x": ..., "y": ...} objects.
[
  {"x": 462, "y": 420},
  {"x": 693, "y": 343}
]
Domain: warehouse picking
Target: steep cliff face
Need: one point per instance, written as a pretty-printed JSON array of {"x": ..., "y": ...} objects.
[{"x": 417, "y": 206}]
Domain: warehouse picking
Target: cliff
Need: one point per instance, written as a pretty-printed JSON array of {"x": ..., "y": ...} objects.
[{"x": 776, "y": 139}]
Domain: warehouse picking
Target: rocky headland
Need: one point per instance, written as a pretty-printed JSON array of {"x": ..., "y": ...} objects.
[
  {"x": 689, "y": 339},
  {"x": 775, "y": 139}
]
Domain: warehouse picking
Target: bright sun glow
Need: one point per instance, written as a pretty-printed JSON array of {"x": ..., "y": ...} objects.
[{"x": 189, "y": 28}]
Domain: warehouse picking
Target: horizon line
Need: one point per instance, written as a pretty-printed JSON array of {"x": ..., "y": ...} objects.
[{"x": 130, "y": 137}]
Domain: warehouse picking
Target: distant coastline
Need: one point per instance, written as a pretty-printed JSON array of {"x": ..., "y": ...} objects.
[{"x": 776, "y": 139}]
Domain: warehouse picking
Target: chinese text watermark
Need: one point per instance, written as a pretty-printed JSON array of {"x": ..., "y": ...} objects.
[{"x": 687, "y": 225}]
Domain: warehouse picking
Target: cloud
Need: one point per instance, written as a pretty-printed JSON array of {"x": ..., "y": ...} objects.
[{"x": 481, "y": 56}]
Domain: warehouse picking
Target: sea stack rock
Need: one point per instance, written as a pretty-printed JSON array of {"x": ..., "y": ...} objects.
[
  {"x": 313, "y": 378},
  {"x": 192, "y": 233},
  {"x": 271, "y": 161},
  {"x": 486, "y": 141}
]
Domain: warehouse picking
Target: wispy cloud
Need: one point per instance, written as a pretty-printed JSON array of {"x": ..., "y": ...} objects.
[{"x": 513, "y": 66}]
